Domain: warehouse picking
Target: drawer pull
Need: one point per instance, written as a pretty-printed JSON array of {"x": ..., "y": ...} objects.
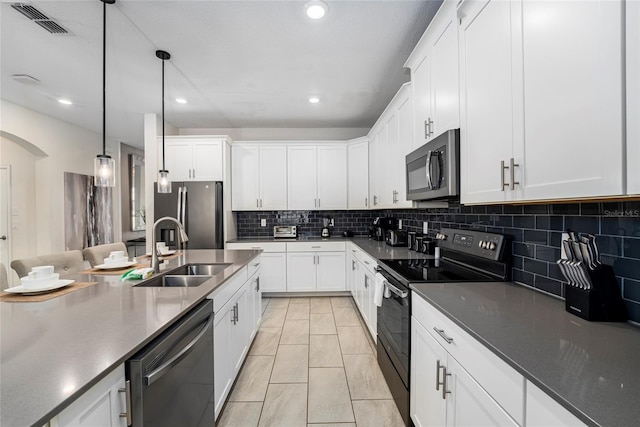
[
  {"x": 440, "y": 332},
  {"x": 257, "y": 264},
  {"x": 315, "y": 247}
]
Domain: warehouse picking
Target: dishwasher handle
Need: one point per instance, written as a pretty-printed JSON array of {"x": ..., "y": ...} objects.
[{"x": 165, "y": 367}]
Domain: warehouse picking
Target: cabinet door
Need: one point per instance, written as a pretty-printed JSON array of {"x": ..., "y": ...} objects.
[
  {"x": 372, "y": 311},
  {"x": 427, "y": 408},
  {"x": 301, "y": 271},
  {"x": 374, "y": 172},
  {"x": 487, "y": 107},
  {"x": 302, "y": 174},
  {"x": 331, "y": 271},
  {"x": 178, "y": 159},
  {"x": 633, "y": 95},
  {"x": 385, "y": 167},
  {"x": 573, "y": 100},
  {"x": 273, "y": 272},
  {"x": 207, "y": 161},
  {"x": 245, "y": 178},
  {"x": 273, "y": 178},
  {"x": 469, "y": 405},
  {"x": 392, "y": 171},
  {"x": 358, "y": 175},
  {"x": 100, "y": 406},
  {"x": 222, "y": 368},
  {"x": 332, "y": 177},
  {"x": 257, "y": 304},
  {"x": 543, "y": 411},
  {"x": 421, "y": 85},
  {"x": 405, "y": 146},
  {"x": 240, "y": 329}
]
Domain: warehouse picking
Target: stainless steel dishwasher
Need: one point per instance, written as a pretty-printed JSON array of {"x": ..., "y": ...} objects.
[{"x": 171, "y": 379}]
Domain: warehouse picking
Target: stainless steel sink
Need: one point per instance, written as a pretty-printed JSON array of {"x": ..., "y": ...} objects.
[
  {"x": 174, "y": 281},
  {"x": 199, "y": 269}
]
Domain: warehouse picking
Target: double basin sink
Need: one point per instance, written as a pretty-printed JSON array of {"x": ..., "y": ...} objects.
[{"x": 188, "y": 275}]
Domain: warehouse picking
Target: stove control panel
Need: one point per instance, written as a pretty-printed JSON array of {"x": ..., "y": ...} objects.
[{"x": 485, "y": 245}]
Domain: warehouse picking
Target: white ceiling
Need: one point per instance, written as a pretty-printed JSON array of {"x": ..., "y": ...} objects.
[{"x": 240, "y": 64}]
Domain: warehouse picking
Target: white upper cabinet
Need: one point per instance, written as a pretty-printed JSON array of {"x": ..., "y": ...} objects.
[
  {"x": 633, "y": 95},
  {"x": 358, "y": 174},
  {"x": 317, "y": 177},
  {"x": 259, "y": 177},
  {"x": 541, "y": 100},
  {"x": 434, "y": 77},
  {"x": 193, "y": 158}
]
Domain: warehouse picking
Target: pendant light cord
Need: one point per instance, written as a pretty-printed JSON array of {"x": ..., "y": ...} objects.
[
  {"x": 163, "y": 168},
  {"x": 104, "y": 78}
]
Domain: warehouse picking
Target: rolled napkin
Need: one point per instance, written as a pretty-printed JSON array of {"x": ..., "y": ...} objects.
[
  {"x": 137, "y": 274},
  {"x": 378, "y": 289}
]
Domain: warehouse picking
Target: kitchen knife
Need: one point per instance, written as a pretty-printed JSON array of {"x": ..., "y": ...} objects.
[
  {"x": 577, "y": 253},
  {"x": 587, "y": 276},
  {"x": 568, "y": 274},
  {"x": 594, "y": 248},
  {"x": 583, "y": 276},
  {"x": 586, "y": 255},
  {"x": 568, "y": 250}
]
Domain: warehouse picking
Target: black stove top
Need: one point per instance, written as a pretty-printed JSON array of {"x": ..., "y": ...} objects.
[{"x": 432, "y": 270}]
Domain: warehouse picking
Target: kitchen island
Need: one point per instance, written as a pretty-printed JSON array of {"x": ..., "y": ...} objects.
[{"x": 51, "y": 352}]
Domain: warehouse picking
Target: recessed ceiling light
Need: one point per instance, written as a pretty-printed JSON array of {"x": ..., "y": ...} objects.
[
  {"x": 313, "y": 99},
  {"x": 65, "y": 101},
  {"x": 316, "y": 9},
  {"x": 181, "y": 100}
]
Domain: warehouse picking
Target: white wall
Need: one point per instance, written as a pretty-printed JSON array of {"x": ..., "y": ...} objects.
[{"x": 66, "y": 148}]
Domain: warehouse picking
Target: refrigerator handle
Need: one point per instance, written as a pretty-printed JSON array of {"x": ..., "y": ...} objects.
[
  {"x": 183, "y": 218},
  {"x": 179, "y": 203}
]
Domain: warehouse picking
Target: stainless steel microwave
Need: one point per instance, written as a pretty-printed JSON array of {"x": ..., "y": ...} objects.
[{"x": 433, "y": 169}]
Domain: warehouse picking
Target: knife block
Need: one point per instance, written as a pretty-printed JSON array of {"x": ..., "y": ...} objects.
[{"x": 601, "y": 303}]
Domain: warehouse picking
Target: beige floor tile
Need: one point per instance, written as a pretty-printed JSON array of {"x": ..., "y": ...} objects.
[
  {"x": 273, "y": 317},
  {"x": 266, "y": 342},
  {"x": 295, "y": 332},
  {"x": 332, "y": 425},
  {"x": 346, "y": 316},
  {"x": 322, "y": 324},
  {"x": 299, "y": 300},
  {"x": 265, "y": 303},
  {"x": 353, "y": 340},
  {"x": 329, "y": 400},
  {"x": 251, "y": 385},
  {"x": 365, "y": 377},
  {"x": 341, "y": 302},
  {"x": 324, "y": 351},
  {"x": 377, "y": 413},
  {"x": 291, "y": 364},
  {"x": 279, "y": 302},
  {"x": 285, "y": 405},
  {"x": 321, "y": 305},
  {"x": 236, "y": 414},
  {"x": 298, "y": 311}
]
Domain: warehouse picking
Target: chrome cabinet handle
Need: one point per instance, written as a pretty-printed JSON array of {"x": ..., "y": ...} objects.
[
  {"x": 189, "y": 172},
  {"x": 445, "y": 374},
  {"x": 513, "y": 165},
  {"x": 194, "y": 173},
  {"x": 315, "y": 247},
  {"x": 315, "y": 203},
  {"x": 502, "y": 182},
  {"x": 438, "y": 366},
  {"x": 430, "y": 126},
  {"x": 318, "y": 202},
  {"x": 375, "y": 200},
  {"x": 440, "y": 332},
  {"x": 237, "y": 312},
  {"x": 257, "y": 203},
  {"x": 353, "y": 265},
  {"x": 366, "y": 281},
  {"x": 257, "y": 264},
  {"x": 426, "y": 129},
  {"x": 257, "y": 284},
  {"x": 366, "y": 201},
  {"x": 127, "y": 401},
  {"x": 366, "y": 262},
  {"x": 260, "y": 202}
]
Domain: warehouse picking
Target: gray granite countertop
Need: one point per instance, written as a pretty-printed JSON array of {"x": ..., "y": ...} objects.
[
  {"x": 298, "y": 239},
  {"x": 590, "y": 368},
  {"x": 53, "y": 351}
]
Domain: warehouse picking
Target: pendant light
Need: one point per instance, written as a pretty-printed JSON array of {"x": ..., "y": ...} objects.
[
  {"x": 103, "y": 166},
  {"x": 164, "y": 183}
]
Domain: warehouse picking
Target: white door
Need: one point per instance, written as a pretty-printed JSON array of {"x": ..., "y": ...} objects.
[
  {"x": 222, "y": 370},
  {"x": 240, "y": 329},
  {"x": 573, "y": 99},
  {"x": 421, "y": 83},
  {"x": 358, "y": 175},
  {"x": 361, "y": 274},
  {"x": 245, "y": 178},
  {"x": 332, "y": 177},
  {"x": 302, "y": 174},
  {"x": 273, "y": 272},
  {"x": 178, "y": 160},
  {"x": 490, "y": 116},
  {"x": 273, "y": 178},
  {"x": 372, "y": 308},
  {"x": 427, "y": 408},
  {"x": 384, "y": 166},
  {"x": 207, "y": 161},
  {"x": 392, "y": 160},
  {"x": 405, "y": 146},
  {"x": 5, "y": 219},
  {"x": 301, "y": 271},
  {"x": 331, "y": 271},
  {"x": 256, "y": 287},
  {"x": 374, "y": 172}
]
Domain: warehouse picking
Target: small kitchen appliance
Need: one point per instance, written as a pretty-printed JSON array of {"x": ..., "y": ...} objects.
[
  {"x": 396, "y": 238},
  {"x": 285, "y": 231},
  {"x": 381, "y": 225},
  {"x": 325, "y": 233}
]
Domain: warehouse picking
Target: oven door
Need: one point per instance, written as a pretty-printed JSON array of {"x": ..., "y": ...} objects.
[{"x": 394, "y": 319}]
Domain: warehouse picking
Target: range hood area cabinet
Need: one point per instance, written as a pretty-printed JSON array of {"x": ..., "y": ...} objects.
[
  {"x": 259, "y": 177},
  {"x": 193, "y": 158},
  {"x": 541, "y": 100}
]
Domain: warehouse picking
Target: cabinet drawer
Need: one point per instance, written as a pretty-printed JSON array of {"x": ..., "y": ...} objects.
[
  {"x": 223, "y": 294},
  {"x": 316, "y": 246},
  {"x": 265, "y": 246},
  {"x": 501, "y": 381},
  {"x": 368, "y": 262},
  {"x": 254, "y": 265}
]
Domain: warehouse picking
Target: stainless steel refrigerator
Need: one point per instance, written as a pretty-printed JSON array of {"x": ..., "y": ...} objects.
[{"x": 198, "y": 206}]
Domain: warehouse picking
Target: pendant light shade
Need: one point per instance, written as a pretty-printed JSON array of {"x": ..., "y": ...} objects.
[
  {"x": 164, "y": 182},
  {"x": 103, "y": 166}
]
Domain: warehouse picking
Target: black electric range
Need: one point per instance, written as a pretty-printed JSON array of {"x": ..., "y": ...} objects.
[{"x": 466, "y": 256}]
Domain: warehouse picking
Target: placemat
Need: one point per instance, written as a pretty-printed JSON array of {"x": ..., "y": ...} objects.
[
  {"x": 9, "y": 297},
  {"x": 114, "y": 272}
]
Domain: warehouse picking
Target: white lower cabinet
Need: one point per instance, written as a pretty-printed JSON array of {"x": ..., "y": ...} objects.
[
  {"x": 362, "y": 273},
  {"x": 273, "y": 271},
  {"x": 316, "y": 271},
  {"x": 100, "y": 406},
  {"x": 543, "y": 411}
]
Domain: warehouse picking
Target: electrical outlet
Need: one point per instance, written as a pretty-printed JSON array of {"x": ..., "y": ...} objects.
[
  {"x": 399, "y": 224},
  {"x": 263, "y": 222},
  {"x": 563, "y": 254},
  {"x": 331, "y": 222},
  {"x": 425, "y": 227}
]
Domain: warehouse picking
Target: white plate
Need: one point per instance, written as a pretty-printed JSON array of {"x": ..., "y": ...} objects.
[
  {"x": 114, "y": 266},
  {"x": 55, "y": 285},
  {"x": 169, "y": 252}
]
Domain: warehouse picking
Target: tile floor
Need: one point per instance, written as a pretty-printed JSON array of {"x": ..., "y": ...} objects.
[{"x": 312, "y": 364}]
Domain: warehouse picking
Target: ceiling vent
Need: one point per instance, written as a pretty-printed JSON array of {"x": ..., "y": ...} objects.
[{"x": 39, "y": 18}]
